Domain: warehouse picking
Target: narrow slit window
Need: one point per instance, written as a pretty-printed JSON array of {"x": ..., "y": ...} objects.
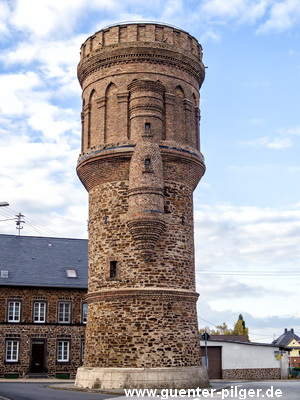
[
  {"x": 147, "y": 128},
  {"x": 147, "y": 164},
  {"x": 113, "y": 273}
]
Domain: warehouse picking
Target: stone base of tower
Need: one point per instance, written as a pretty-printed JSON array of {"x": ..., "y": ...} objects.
[{"x": 142, "y": 378}]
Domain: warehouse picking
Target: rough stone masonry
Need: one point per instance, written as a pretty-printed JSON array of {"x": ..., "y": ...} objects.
[{"x": 140, "y": 162}]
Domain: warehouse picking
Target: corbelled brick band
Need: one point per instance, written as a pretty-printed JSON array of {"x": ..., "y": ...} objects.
[{"x": 140, "y": 163}]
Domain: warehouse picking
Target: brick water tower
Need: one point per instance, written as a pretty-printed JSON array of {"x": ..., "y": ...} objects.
[{"x": 140, "y": 163}]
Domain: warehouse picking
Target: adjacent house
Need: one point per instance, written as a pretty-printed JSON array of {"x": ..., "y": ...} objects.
[
  {"x": 290, "y": 340},
  {"x": 231, "y": 358},
  {"x": 43, "y": 282}
]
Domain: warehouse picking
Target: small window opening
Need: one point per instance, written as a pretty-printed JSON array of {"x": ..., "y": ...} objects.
[
  {"x": 147, "y": 164},
  {"x": 113, "y": 273},
  {"x": 147, "y": 128}
]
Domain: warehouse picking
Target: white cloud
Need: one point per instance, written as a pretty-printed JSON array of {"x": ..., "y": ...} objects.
[
  {"x": 263, "y": 330},
  {"x": 54, "y": 61},
  {"x": 55, "y": 17},
  {"x": 283, "y": 16},
  {"x": 14, "y": 91},
  {"x": 172, "y": 8},
  {"x": 294, "y": 130},
  {"x": 257, "y": 121},
  {"x": 247, "y": 261},
  {"x": 4, "y": 16},
  {"x": 210, "y": 34},
  {"x": 234, "y": 237},
  {"x": 273, "y": 16},
  {"x": 41, "y": 182},
  {"x": 286, "y": 139},
  {"x": 278, "y": 143},
  {"x": 52, "y": 121},
  {"x": 241, "y": 10}
]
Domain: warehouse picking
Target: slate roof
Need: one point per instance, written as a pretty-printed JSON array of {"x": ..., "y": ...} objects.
[
  {"x": 243, "y": 343},
  {"x": 230, "y": 338},
  {"x": 43, "y": 261},
  {"x": 286, "y": 337}
]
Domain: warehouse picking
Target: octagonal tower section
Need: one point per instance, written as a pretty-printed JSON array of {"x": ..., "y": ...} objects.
[{"x": 140, "y": 163}]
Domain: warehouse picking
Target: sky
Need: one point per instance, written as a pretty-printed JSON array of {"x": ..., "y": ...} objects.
[{"x": 247, "y": 206}]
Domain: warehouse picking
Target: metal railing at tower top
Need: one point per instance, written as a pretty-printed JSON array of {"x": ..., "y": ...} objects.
[
  {"x": 145, "y": 22},
  {"x": 141, "y": 22}
]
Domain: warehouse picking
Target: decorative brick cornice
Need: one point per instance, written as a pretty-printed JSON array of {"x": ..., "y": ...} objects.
[
  {"x": 146, "y": 190},
  {"x": 146, "y": 84},
  {"x": 146, "y": 231},
  {"x": 105, "y": 151},
  {"x": 100, "y": 60},
  {"x": 163, "y": 293}
]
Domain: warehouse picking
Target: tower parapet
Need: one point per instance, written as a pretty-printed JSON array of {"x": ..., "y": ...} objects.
[{"x": 140, "y": 163}]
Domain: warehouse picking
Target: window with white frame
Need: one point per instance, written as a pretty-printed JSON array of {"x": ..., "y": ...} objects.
[
  {"x": 63, "y": 350},
  {"x": 64, "y": 312},
  {"x": 12, "y": 351},
  {"x": 84, "y": 312},
  {"x": 39, "y": 311},
  {"x": 14, "y": 311}
]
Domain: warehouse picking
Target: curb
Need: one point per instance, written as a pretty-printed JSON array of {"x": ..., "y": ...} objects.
[
  {"x": 117, "y": 392},
  {"x": 72, "y": 388}
]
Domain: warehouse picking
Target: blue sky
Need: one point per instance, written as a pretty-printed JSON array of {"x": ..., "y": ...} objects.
[{"x": 247, "y": 207}]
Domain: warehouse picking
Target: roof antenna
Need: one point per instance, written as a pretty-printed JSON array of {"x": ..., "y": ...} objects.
[{"x": 19, "y": 222}]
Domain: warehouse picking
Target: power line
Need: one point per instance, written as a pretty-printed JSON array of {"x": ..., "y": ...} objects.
[
  {"x": 251, "y": 274},
  {"x": 266, "y": 336},
  {"x": 207, "y": 322},
  {"x": 244, "y": 272},
  {"x": 31, "y": 225}
]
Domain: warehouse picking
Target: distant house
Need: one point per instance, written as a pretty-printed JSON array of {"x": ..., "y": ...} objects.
[
  {"x": 43, "y": 282},
  {"x": 229, "y": 358},
  {"x": 291, "y": 340}
]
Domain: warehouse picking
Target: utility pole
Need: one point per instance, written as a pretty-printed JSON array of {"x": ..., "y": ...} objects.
[
  {"x": 206, "y": 337},
  {"x": 19, "y": 222}
]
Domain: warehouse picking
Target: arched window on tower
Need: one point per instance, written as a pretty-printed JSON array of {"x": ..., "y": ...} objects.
[
  {"x": 93, "y": 127},
  {"x": 196, "y": 115},
  {"x": 112, "y": 126},
  {"x": 83, "y": 140},
  {"x": 179, "y": 114}
]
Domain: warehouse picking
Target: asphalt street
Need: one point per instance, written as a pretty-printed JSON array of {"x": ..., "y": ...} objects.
[
  {"x": 284, "y": 390},
  {"x": 41, "y": 391}
]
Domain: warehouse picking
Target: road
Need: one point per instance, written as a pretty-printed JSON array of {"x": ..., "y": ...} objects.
[
  {"x": 284, "y": 390},
  {"x": 40, "y": 391}
]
